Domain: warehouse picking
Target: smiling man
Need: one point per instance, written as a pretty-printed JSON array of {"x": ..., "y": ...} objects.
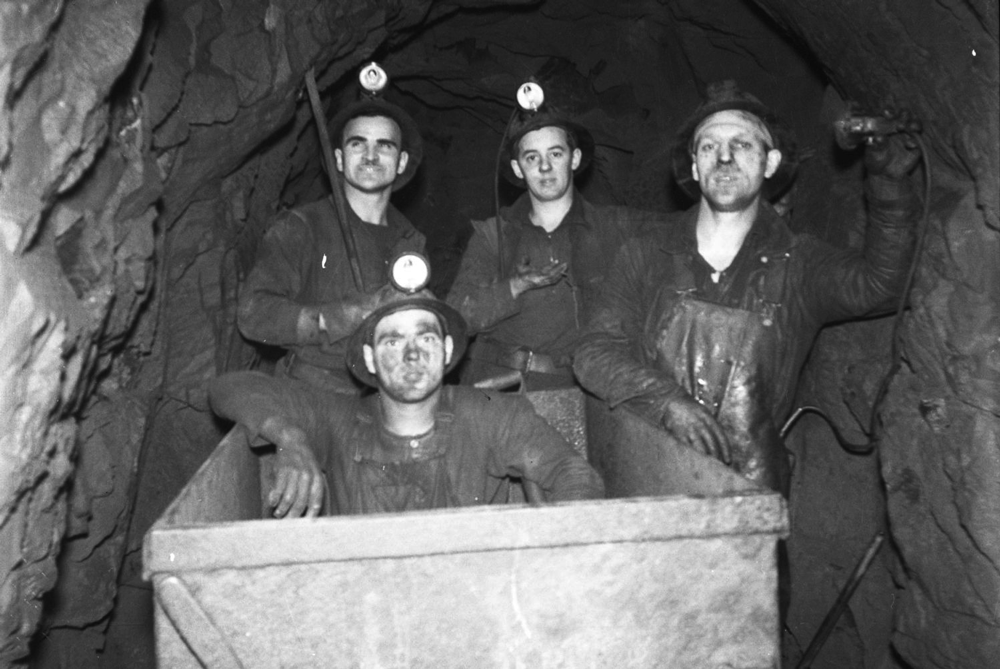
[
  {"x": 527, "y": 314},
  {"x": 704, "y": 324},
  {"x": 415, "y": 444},
  {"x": 300, "y": 294}
]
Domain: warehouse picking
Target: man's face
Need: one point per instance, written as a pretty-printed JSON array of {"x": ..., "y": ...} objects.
[
  {"x": 730, "y": 160},
  {"x": 546, "y": 163},
  {"x": 370, "y": 156},
  {"x": 408, "y": 355}
]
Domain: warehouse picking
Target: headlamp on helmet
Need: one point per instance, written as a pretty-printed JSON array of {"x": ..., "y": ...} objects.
[
  {"x": 373, "y": 79},
  {"x": 409, "y": 273}
]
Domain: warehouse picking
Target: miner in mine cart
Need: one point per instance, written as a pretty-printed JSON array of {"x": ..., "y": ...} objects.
[{"x": 412, "y": 444}]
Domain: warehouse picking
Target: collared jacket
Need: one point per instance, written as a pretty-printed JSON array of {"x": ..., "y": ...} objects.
[
  {"x": 478, "y": 438},
  {"x": 801, "y": 281},
  {"x": 547, "y": 320},
  {"x": 302, "y": 263}
]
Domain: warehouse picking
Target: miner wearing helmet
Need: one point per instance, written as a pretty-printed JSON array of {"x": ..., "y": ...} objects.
[
  {"x": 302, "y": 294},
  {"x": 526, "y": 279},
  {"x": 704, "y": 323},
  {"x": 412, "y": 444}
]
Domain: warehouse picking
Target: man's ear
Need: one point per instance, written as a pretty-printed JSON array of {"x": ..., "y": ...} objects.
[
  {"x": 404, "y": 158},
  {"x": 338, "y": 157},
  {"x": 773, "y": 161},
  {"x": 369, "y": 354},
  {"x": 694, "y": 167},
  {"x": 449, "y": 348},
  {"x": 517, "y": 169},
  {"x": 577, "y": 157}
]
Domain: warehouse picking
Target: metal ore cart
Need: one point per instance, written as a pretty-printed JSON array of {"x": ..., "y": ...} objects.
[{"x": 682, "y": 577}]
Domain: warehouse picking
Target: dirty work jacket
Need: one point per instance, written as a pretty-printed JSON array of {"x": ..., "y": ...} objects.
[
  {"x": 793, "y": 283},
  {"x": 477, "y": 439},
  {"x": 301, "y": 262},
  {"x": 546, "y": 320}
]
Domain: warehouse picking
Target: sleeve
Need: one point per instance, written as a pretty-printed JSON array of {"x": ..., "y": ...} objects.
[
  {"x": 846, "y": 283},
  {"x": 264, "y": 404},
  {"x": 478, "y": 294},
  {"x": 268, "y": 309},
  {"x": 609, "y": 360},
  {"x": 530, "y": 448}
]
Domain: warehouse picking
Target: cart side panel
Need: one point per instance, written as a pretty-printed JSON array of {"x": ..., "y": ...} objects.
[
  {"x": 226, "y": 487},
  {"x": 637, "y": 459},
  {"x": 681, "y": 603}
]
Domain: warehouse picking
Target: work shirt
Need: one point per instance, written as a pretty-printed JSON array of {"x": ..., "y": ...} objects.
[
  {"x": 478, "y": 438},
  {"x": 546, "y": 320},
  {"x": 302, "y": 263},
  {"x": 790, "y": 285}
]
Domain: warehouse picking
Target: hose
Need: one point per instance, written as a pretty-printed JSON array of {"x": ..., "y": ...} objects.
[{"x": 868, "y": 447}]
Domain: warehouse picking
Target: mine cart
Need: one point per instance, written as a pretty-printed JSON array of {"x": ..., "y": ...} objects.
[{"x": 682, "y": 577}]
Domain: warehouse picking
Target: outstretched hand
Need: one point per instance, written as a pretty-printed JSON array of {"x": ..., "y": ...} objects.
[
  {"x": 895, "y": 155},
  {"x": 298, "y": 487},
  {"x": 528, "y": 277},
  {"x": 694, "y": 426}
]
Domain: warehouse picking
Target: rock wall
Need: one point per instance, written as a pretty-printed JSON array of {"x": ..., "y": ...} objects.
[
  {"x": 939, "y": 453},
  {"x": 71, "y": 275},
  {"x": 153, "y": 144}
]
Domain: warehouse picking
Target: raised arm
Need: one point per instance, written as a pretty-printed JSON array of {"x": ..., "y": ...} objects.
[{"x": 848, "y": 283}]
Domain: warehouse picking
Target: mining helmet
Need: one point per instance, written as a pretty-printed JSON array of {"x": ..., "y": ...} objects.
[
  {"x": 408, "y": 281},
  {"x": 726, "y": 96},
  {"x": 535, "y": 113},
  {"x": 374, "y": 82}
]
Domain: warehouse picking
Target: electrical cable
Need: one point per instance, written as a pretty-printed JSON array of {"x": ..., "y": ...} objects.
[{"x": 869, "y": 446}]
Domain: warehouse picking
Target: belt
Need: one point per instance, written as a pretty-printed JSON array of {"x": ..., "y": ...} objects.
[{"x": 520, "y": 358}]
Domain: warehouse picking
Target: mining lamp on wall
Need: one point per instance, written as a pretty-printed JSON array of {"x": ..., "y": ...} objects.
[
  {"x": 410, "y": 272},
  {"x": 530, "y": 96},
  {"x": 373, "y": 79}
]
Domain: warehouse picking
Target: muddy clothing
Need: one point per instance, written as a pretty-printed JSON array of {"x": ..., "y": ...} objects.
[
  {"x": 477, "y": 439},
  {"x": 302, "y": 263},
  {"x": 543, "y": 321},
  {"x": 663, "y": 329}
]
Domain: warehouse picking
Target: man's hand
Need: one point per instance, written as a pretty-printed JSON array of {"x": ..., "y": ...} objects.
[
  {"x": 894, "y": 156},
  {"x": 298, "y": 487},
  {"x": 694, "y": 426},
  {"x": 527, "y": 277}
]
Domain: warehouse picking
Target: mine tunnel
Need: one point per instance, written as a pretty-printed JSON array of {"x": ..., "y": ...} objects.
[{"x": 145, "y": 146}]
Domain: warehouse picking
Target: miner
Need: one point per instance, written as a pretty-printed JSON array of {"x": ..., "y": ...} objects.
[
  {"x": 524, "y": 285},
  {"x": 705, "y": 322},
  {"x": 301, "y": 293},
  {"x": 414, "y": 444}
]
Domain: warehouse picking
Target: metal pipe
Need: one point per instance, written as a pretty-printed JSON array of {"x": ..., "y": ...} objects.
[
  {"x": 842, "y": 600},
  {"x": 331, "y": 172}
]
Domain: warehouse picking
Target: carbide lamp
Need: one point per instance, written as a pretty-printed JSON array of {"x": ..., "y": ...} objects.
[
  {"x": 530, "y": 96},
  {"x": 373, "y": 78},
  {"x": 410, "y": 272}
]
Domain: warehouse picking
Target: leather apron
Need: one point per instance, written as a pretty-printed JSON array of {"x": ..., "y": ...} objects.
[{"x": 724, "y": 357}]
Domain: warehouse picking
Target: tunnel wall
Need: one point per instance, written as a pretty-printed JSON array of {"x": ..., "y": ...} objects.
[
  {"x": 170, "y": 132},
  {"x": 940, "y": 451}
]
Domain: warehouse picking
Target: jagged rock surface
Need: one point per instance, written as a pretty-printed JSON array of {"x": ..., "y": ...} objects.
[{"x": 174, "y": 133}]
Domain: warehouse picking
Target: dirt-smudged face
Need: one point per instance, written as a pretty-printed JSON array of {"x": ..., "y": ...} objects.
[
  {"x": 546, "y": 163},
  {"x": 731, "y": 158},
  {"x": 371, "y": 155},
  {"x": 408, "y": 355}
]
